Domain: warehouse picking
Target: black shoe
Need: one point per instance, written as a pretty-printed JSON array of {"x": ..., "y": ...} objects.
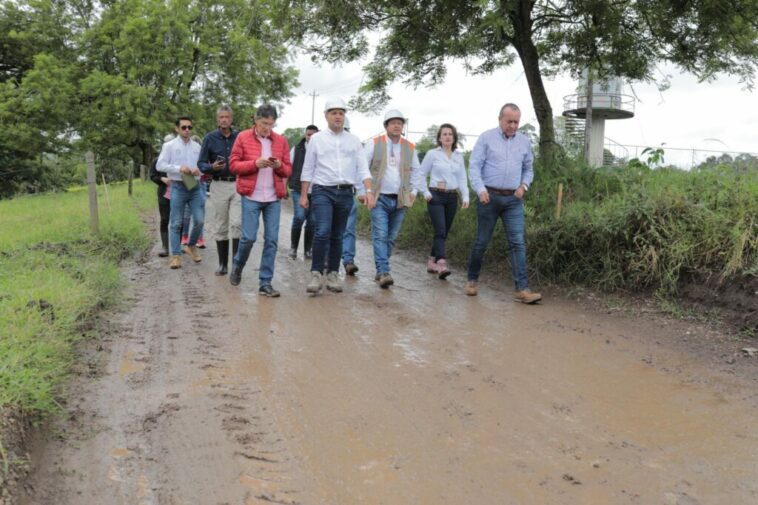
[
  {"x": 269, "y": 291},
  {"x": 222, "y": 246},
  {"x": 221, "y": 270},
  {"x": 236, "y": 276},
  {"x": 164, "y": 245},
  {"x": 351, "y": 268}
]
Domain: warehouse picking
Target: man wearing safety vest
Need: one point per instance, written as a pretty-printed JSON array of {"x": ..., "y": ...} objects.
[{"x": 392, "y": 160}]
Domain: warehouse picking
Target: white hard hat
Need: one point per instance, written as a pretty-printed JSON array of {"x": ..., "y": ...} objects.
[
  {"x": 393, "y": 114},
  {"x": 335, "y": 103}
]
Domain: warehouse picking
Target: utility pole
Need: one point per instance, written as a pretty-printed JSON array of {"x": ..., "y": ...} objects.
[{"x": 313, "y": 107}]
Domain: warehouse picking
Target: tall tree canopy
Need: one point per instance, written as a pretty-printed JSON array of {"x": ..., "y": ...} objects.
[
  {"x": 626, "y": 38},
  {"x": 112, "y": 75}
]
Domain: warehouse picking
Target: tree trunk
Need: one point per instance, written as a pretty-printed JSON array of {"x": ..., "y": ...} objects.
[
  {"x": 148, "y": 154},
  {"x": 527, "y": 51}
]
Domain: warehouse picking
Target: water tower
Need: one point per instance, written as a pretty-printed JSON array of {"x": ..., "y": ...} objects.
[{"x": 608, "y": 102}]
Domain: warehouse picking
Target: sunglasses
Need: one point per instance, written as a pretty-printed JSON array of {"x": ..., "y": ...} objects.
[{"x": 186, "y": 127}]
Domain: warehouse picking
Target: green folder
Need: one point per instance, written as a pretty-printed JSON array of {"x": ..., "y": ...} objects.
[{"x": 189, "y": 181}]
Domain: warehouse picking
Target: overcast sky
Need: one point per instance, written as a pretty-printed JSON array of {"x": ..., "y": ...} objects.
[{"x": 720, "y": 115}]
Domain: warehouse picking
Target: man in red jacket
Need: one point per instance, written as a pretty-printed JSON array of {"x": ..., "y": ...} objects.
[{"x": 261, "y": 161}]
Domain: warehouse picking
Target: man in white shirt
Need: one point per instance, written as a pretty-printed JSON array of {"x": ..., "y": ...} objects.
[
  {"x": 178, "y": 159},
  {"x": 334, "y": 164},
  {"x": 392, "y": 160}
]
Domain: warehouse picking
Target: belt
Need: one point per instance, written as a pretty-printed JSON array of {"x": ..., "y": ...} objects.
[
  {"x": 336, "y": 186},
  {"x": 390, "y": 195},
  {"x": 504, "y": 192},
  {"x": 438, "y": 190},
  {"x": 227, "y": 179}
]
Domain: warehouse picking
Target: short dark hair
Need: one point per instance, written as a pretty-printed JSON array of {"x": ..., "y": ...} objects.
[
  {"x": 311, "y": 127},
  {"x": 455, "y": 135},
  {"x": 266, "y": 110},
  {"x": 182, "y": 118}
]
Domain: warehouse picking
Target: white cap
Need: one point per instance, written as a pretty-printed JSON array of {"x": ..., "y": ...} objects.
[
  {"x": 335, "y": 103},
  {"x": 393, "y": 114}
]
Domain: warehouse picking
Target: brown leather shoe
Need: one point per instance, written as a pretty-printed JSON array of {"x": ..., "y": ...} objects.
[
  {"x": 470, "y": 288},
  {"x": 175, "y": 262},
  {"x": 526, "y": 296},
  {"x": 194, "y": 253}
]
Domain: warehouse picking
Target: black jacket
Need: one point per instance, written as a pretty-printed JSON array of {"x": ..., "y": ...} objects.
[
  {"x": 297, "y": 166},
  {"x": 155, "y": 176}
]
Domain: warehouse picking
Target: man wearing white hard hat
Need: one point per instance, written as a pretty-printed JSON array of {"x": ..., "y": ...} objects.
[
  {"x": 334, "y": 165},
  {"x": 392, "y": 160}
]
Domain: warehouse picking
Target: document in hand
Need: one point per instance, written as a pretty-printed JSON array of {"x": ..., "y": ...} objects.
[{"x": 189, "y": 181}]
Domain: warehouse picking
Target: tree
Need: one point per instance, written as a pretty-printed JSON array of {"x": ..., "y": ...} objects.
[
  {"x": 293, "y": 135},
  {"x": 626, "y": 38}
]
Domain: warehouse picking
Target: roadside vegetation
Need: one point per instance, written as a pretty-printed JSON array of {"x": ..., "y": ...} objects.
[{"x": 54, "y": 277}]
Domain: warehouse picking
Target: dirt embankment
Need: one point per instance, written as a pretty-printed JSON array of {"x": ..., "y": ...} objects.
[{"x": 205, "y": 394}]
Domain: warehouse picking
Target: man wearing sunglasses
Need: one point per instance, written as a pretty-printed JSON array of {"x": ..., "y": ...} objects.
[{"x": 178, "y": 159}]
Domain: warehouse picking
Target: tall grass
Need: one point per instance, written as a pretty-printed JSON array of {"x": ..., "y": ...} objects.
[
  {"x": 626, "y": 228},
  {"x": 54, "y": 275}
]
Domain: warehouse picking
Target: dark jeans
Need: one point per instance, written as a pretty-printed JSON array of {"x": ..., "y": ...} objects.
[
  {"x": 329, "y": 210},
  {"x": 299, "y": 214},
  {"x": 164, "y": 209},
  {"x": 442, "y": 208},
  {"x": 510, "y": 210}
]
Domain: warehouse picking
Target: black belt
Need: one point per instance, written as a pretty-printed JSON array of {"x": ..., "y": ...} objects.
[
  {"x": 336, "y": 186},
  {"x": 438, "y": 190},
  {"x": 504, "y": 192},
  {"x": 391, "y": 195},
  {"x": 227, "y": 179}
]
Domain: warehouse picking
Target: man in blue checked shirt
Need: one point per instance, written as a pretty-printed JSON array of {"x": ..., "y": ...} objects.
[{"x": 500, "y": 169}]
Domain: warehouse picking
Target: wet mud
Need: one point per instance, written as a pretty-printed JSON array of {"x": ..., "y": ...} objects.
[{"x": 207, "y": 394}]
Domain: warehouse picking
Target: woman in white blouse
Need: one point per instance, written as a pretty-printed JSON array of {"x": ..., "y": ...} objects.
[{"x": 447, "y": 179}]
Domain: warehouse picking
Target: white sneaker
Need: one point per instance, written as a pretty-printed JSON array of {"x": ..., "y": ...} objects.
[
  {"x": 333, "y": 282},
  {"x": 316, "y": 283}
]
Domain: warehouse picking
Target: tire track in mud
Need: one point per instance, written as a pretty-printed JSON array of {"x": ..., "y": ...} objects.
[{"x": 177, "y": 416}]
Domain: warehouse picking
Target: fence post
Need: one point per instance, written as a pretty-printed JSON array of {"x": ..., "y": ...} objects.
[
  {"x": 143, "y": 172},
  {"x": 131, "y": 176},
  {"x": 92, "y": 190},
  {"x": 559, "y": 204}
]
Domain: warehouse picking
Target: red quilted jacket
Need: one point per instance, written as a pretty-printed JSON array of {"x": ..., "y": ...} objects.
[{"x": 247, "y": 148}]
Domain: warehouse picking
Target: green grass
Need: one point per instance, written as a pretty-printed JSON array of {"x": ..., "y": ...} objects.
[{"x": 54, "y": 276}]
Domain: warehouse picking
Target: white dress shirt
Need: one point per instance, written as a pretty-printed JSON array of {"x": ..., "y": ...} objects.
[
  {"x": 392, "y": 181},
  {"x": 444, "y": 173},
  {"x": 334, "y": 158},
  {"x": 175, "y": 154}
]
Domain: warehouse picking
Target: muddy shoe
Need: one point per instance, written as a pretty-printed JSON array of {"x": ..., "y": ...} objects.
[
  {"x": 314, "y": 286},
  {"x": 526, "y": 296},
  {"x": 235, "y": 277},
  {"x": 431, "y": 265},
  {"x": 351, "y": 268},
  {"x": 268, "y": 290},
  {"x": 442, "y": 270},
  {"x": 470, "y": 288},
  {"x": 386, "y": 280},
  {"x": 333, "y": 282},
  {"x": 176, "y": 262},
  {"x": 194, "y": 254}
]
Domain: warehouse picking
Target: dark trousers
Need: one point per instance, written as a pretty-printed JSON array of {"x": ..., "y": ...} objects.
[
  {"x": 442, "y": 208},
  {"x": 329, "y": 209},
  {"x": 164, "y": 209}
]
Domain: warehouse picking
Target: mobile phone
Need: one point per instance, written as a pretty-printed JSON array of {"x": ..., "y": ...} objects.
[
  {"x": 272, "y": 160},
  {"x": 220, "y": 158}
]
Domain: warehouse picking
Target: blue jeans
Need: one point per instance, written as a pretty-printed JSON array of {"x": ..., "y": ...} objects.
[
  {"x": 348, "y": 239},
  {"x": 181, "y": 197},
  {"x": 442, "y": 208},
  {"x": 510, "y": 210},
  {"x": 386, "y": 219},
  {"x": 300, "y": 216},
  {"x": 188, "y": 213},
  {"x": 330, "y": 208},
  {"x": 251, "y": 212}
]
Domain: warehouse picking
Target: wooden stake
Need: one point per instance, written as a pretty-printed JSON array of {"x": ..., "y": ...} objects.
[
  {"x": 559, "y": 204},
  {"x": 92, "y": 190},
  {"x": 107, "y": 196}
]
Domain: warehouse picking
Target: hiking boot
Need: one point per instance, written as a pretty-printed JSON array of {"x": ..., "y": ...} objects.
[
  {"x": 526, "y": 296},
  {"x": 351, "y": 268},
  {"x": 470, "y": 288},
  {"x": 442, "y": 270},
  {"x": 316, "y": 282},
  {"x": 386, "y": 280},
  {"x": 431, "y": 265},
  {"x": 235, "y": 277},
  {"x": 268, "y": 290},
  {"x": 333, "y": 282},
  {"x": 201, "y": 243},
  {"x": 194, "y": 253},
  {"x": 175, "y": 262}
]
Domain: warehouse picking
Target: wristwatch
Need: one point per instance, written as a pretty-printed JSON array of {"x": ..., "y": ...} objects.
[{"x": 369, "y": 191}]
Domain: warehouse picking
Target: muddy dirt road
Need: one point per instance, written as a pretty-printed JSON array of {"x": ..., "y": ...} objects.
[{"x": 206, "y": 394}]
